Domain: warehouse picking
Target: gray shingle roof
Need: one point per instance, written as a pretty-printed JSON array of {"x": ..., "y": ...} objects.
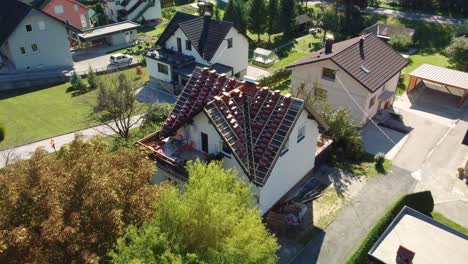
[
  {"x": 206, "y": 34},
  {"x": 381, "y": 60}
]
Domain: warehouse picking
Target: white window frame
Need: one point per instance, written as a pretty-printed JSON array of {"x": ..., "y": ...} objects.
[
  {"x": 230, "y": 43},
  {"x": 84, "y": 21},
  {"x": 301, "y": 133},
  {"x": 58, "y": 9},
  {"x": 41, "y": 25},
  {"x": 162, "y": 64},
  {"x": 372, "y": 101},
  {"x": 37, "y": 48},
  {"x": 222, "y": 143},
  {"x": 285, "y": 148}
]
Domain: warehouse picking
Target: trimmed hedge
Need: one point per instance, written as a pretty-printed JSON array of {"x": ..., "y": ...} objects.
[{"x": 421, "y": 201}]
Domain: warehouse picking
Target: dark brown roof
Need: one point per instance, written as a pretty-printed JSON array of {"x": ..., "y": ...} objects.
[
  {"x": 255, "y": 123},
  {"x": 389, "y": 30},
  {"x": 372, "y": 66},
  {"x": 206, "y": 34}
]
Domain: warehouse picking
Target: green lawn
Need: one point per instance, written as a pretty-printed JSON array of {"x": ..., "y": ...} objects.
[
  {"x": 444, "y": 220},
  {"x": 365, "y": 167},
  {"x": 30, "y": 115}
]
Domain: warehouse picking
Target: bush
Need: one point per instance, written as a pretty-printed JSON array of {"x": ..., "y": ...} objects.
[
  {"x": 92, "y": 79},
  {"x": 421, "y": 201},
  {"x": 280, "y": 79},
  {"x": 457, "y": 53},
  {"x": 157, "y": 113},
  {"x": 379, "y": 158},
  {"x": 168, "y": 13},
  {"x": 139, "y": 71},
  {"x": 399, "y": 41},
  {"x": 78, "y": 85},
  {"x": 2, "y": 133}
]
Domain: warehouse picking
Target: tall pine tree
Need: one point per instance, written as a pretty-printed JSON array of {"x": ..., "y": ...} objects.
[
  {"x": 258, "y": 23},
  {"x": 236, "y": 12},
  {"x": 273, "y": 16},
  {"x": 287, "y": 16}
]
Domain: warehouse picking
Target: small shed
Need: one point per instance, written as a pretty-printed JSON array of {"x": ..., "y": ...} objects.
[
  {"x": 447, "y": 80},
  {"x": 302, "y": 23},
  {"x": 264, "y": 56},
  {"x": 385, "y": 32}
]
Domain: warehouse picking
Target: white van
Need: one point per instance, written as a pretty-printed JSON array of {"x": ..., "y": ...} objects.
[{"x": 120, "y": 58}]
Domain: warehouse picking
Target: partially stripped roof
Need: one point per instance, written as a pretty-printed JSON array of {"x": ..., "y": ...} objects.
[
  {"x": 372, "y": 65},
  {"x": 255, "y": 123},
  {"x": 442, "y": 76}
]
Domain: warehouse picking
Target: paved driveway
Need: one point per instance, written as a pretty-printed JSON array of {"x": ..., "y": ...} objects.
[{"x": 256, "y": 72}]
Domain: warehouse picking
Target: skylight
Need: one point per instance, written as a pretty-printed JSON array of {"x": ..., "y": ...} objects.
[{"x": 365, "y": 69}]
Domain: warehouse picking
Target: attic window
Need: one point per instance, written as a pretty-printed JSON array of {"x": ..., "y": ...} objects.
[
  {"x": 229, "y": 43},
  {"x": 365, "y": 69}
]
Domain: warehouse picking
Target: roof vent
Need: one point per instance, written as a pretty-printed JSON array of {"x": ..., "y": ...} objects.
[
  {"x": 365, "y": 69},
  {"x": 250, "y": 79},
  {"x": 404, "y": 255}
]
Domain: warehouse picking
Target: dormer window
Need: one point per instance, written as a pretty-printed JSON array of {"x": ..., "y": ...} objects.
[
  {"x": 328, "y": 74},
  {"x": 188, "y": 45},
  {"x": 229, "y": 43}
]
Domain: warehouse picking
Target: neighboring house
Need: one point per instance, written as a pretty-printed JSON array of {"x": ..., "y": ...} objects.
[
  {"x": 385, "y": 32},
  {"x": 271, "y": 140},
  {"x": 141, "y": 11},
  {"x": 31, "y": 39},
  {"x": 190, "y": 41},
  {"x": 415, "y": 238},
  {"x": 302, "y": 23},
  {"x": 69, "y": 11},
  {"x": 359, "y": 74}
]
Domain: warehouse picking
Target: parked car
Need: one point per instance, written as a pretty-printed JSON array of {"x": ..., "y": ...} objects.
[{"x": 120, "y": 58}]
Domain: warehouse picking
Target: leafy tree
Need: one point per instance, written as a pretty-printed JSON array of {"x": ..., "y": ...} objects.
[
  {"x": 214, "y": 220},
  {"x": 92, "y": 79},
  {"x": 457, "y": 53},
  {"x": 400, "y": 41},
  {"x": 116, "y": 102},
  {"x": 273, "y": 17},
  {"x": 258, "y": 23},
  {"x": 287, "y": 16},
  {"x": 352, "y": 22},
  {"x": 344, "y": 132},
  {"x": 72, "y": 207},
  {"x": 157, "y": 113},
  {"x": 236, "y": 12},
  {"x": 325, "y": 18}
]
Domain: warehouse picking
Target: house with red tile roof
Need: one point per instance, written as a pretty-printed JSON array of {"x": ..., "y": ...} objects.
[
  {"x": 270, "y": 139},
  {"x": 69, "y": 11},
  {"x": 359, "y": 74}
]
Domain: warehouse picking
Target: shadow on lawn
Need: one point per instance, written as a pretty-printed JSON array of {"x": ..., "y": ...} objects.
[{"x": 18, "y": 92}]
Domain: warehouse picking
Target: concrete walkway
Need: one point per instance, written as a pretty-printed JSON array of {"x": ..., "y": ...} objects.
[
  {"x": 24, "y": 151},
  {"x": 415, "y": 16},
  {"x": 355, "y": 220}
]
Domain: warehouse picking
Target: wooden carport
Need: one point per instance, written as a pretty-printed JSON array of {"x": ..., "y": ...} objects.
[{"x": 455, "y": 82}]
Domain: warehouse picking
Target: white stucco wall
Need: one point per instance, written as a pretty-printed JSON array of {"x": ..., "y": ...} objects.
[
  {"x": 171, "y": 44},
  {"x": 53, "y": 47},
  {"x": 152, "y": 66},
  {"x": 337, "y": 97},
  {"x": 390, "y": 85},
  {"x": 238, "y": 56},
  {"x": 293, "y": 165}
]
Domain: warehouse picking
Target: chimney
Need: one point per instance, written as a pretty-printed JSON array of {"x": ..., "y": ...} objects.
[
  {"x": 361, "y": 46},
  {"x": 328, "y": 45},
  {"x": 404, "y": 255}
]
